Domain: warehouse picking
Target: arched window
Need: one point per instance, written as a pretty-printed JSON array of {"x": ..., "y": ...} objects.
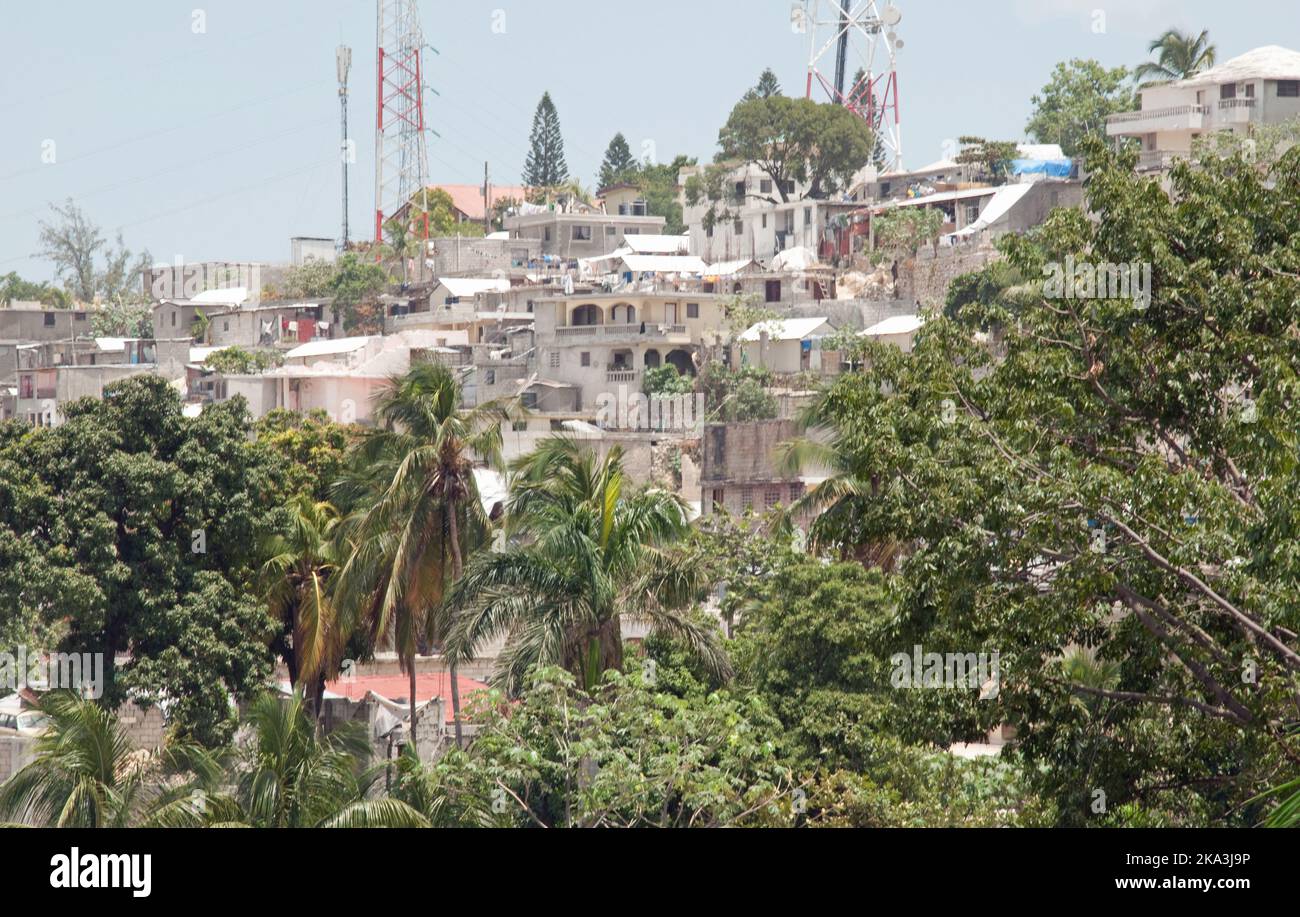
[{"x": 588, "y": 315}]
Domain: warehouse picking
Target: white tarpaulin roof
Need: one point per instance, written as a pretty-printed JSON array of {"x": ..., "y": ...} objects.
[
  {"x": 657, "y": 245},
  {"x": 794, "y": 259},
  {"x": 898, "y": 324},
  {"x": 327, "y": 348},
  {"x": 665, "y": 264},
  {"x": 789, "y": 329},
  {"x": 1006, "y": 198},
  {"x": 728, "y": 268},
  {"x": 234, "y": 296},
  {"x": 465, "y": 287}
]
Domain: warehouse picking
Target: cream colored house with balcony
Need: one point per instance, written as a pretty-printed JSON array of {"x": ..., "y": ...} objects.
[
  {"x": 600, "y": 343},
  {"x": 1259, "y": 87}
]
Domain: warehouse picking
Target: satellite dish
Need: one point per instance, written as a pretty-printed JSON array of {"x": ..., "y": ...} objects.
[
  {"x": 891, "y": 16},
  {"x": 898, "y": 44}
]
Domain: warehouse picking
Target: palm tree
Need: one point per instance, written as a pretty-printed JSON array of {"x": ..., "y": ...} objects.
[
  {"x": 289, "y": 777},
  {"x": 1179, "y": 56},
  {"x": 845, "y": 503},
  {"x": 590, "y": 552},
  {"x": 417, "y": 512},
  {"x": 86, "y": 774},
  {"x": 297, "y": 586}
]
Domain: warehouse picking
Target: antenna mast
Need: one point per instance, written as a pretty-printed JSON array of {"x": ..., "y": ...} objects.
[
  {"x": 862, "y": 34},
  {"x": 343, "y": 57},
  {"x": 401, "y": 155}
]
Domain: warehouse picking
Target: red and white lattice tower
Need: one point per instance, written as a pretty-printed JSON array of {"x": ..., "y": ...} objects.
[
  {"x": 851, "y": 37},
  {"x": 401, "y": 154}
]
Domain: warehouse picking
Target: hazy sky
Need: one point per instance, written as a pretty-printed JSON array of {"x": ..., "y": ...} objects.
[{"x": 223, "y": 144}]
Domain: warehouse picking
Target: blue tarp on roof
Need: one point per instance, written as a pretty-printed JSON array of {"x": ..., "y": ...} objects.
[{"x": 1055, "y": 168}]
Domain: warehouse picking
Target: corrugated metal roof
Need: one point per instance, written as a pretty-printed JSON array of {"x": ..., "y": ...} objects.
[
  {"x": 789, "y": 329},
  {"x": 1271, "y": 62},
  {"x": 327, "y": 348},
  {"x": 898, "y": 324},
  {"x": 465, "y": 287}
]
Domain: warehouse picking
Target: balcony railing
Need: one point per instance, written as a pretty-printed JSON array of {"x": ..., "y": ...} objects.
[
  {"x": 620, "y": 375},
  {"x": 1152, "y": 114},
  {"x": 1157, "y": 160},
  {"x": 1236, "y": 103},
  {"x": 638, "y": 329}
]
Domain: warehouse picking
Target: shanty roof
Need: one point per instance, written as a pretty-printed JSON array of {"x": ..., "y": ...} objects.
[
  {"x": 201, "y": 354},
  {"x": 942, "y": 165},
  {"x": 665, "y": 264},
  {"x": 650, "y": 244},
  {"x": 468, "y": 199},
  {"x": 328, "y": 348},
  {"x": 428, "y": 685},
  {"x": 1270, "y": 62},
  {"x": 898, "y": 324},
  {"x": 941, "y": 197},
  {"x": 111, "y": 345},
  {"x": 1002, "y": 202},
  {"x": 789, "y": 329},
  {"x": 234, "y": 296},
  {"x": 728, "y": 268},
  {"x": 504, "y": 316},
  {"x": 465, "y": 287}
]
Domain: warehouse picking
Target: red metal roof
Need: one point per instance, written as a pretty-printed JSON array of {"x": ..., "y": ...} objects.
[
  {"x": 428, "y": 685},
  {"x": 468, "y": 199}
]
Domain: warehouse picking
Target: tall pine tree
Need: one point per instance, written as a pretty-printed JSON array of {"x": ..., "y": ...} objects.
[
  {"x": 545, "y": 166},
  {"x": 618, "y": 165},
  {"x": 768, "y": 86}
]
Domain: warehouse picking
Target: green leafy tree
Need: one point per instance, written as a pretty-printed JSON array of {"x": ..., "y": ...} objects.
[
  {"x": 588, "y": 553},
  {"x": 798, "y": 140},
  {"x": 1116, "y": 477},
  {"x": 166, "y": 512},
  {"x": 904, "y": 230},
  {"x": 74, "y": 244},
  {"x": 666, "y": 380},
  {"x": 1076, "y": 102},
  {"x": 545, "y": 166},
  {"x": 1179, "y": 55},
  {"x": 992, "y": 157},
  {"x": 355, "y": 289},
  {"x": 14, "y": 288},
  {"x": 236, "y": 361},
  {"x": 624, "y": 755},
  {"x": 658, "y": 184}
]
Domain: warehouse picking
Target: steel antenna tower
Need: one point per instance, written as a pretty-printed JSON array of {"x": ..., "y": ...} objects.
[
  {"x": 343, "y": 56},
  {"x": 858, "y": 34},
  {"x": 401, "y": 154}
]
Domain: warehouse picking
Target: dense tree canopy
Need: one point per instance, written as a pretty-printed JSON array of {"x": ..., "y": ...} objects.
[{"x": 798, "y": 140}]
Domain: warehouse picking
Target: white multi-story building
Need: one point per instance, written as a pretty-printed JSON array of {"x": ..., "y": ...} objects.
[{"x": 1259, "y": 87}]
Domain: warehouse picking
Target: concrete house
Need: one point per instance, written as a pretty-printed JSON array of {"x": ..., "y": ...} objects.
[
  {"x": 788, "y": 346},
  {"x": 570, "y": 235},
  {"x": 1259, "y": 87},
  {"x": 599, "y": 342},
  {"x": 739, "y": 472}
]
